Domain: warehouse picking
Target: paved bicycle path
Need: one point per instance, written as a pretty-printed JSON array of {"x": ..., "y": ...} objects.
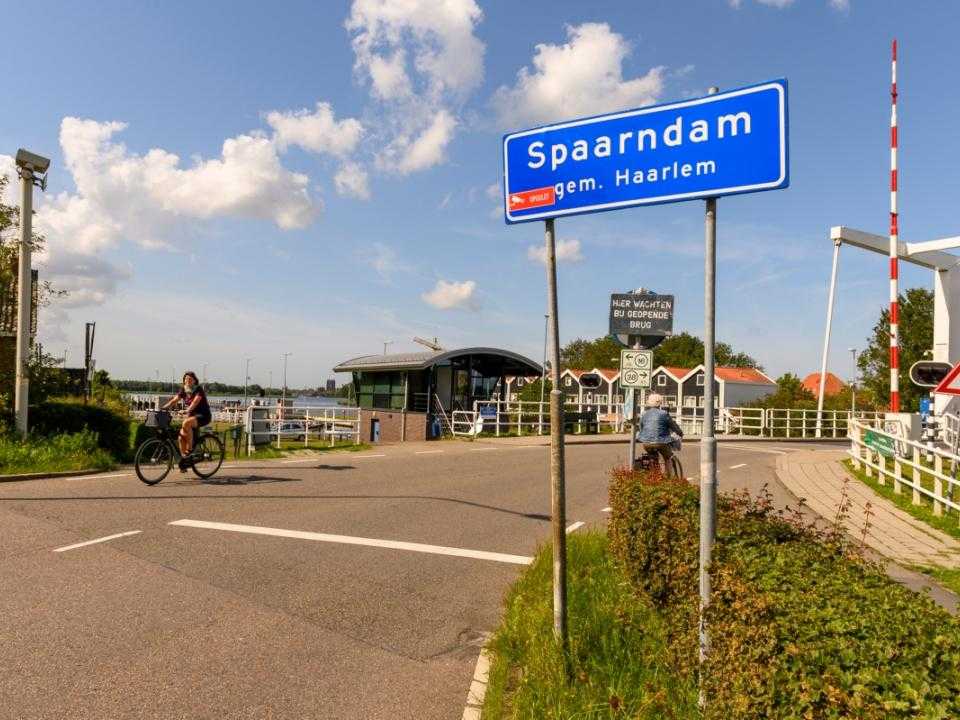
[{"x": 821, "y": 481}]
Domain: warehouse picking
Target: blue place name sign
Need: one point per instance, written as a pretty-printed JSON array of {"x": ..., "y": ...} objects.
[{"x": 723, "y": 144}]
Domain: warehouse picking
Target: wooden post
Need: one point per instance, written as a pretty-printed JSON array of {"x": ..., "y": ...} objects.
[
  {"x": 916, "y": 476},
  {"x": 938, "y": 485}
]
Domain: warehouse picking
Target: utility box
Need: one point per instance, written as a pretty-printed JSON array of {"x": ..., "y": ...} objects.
[{"x": 910, "y": 425}]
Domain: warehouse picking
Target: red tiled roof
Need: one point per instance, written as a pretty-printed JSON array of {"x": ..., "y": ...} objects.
[
  {"x": 750, "y": 376},
  {"x": 832, "y": 386},
  {"x": 677, "y": 372},
  {"x": 608, "y": 373}
]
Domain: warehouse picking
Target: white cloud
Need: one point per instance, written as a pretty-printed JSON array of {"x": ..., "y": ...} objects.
[
  {"x": 566, "y": 250},
  {"x": 8, "y": 169},
  {"x": 422, "y": 60},
  {"x": 581, "y": 77},
  {"x": 141, "y": 194},
  {"x": 351, "y": 181},
  {"x": 385, "y": 261},
  {"x": 450, "y": 295},
  {"x": 318, "y": 131},
  {"x": 439, "y": 34},
  {"x": 408, "y": 154},
  {"x": 842, "y": 5},
  {"x": 494, "y": 191}
]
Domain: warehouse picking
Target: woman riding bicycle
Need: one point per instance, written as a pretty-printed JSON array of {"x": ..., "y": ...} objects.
[
  {"x": 655, "y": 431},
  {"x": 198, "y": 413}
]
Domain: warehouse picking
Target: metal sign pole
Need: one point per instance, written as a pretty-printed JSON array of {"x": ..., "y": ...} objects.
[
  {"x": 633, "y": 419},
  {"x": 557, "y": 490},
  {"x": 24, "y": 304},
  {"x": 708, "y": 443}
]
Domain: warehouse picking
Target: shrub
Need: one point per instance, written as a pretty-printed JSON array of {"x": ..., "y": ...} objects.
[
  {"x": 78, "y": 451},
  {"x": 800, "y": 625},
  {"x": 57, "y": 417}
]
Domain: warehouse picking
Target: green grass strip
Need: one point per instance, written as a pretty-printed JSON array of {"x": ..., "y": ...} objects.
[{"x": 618, "y": 664}]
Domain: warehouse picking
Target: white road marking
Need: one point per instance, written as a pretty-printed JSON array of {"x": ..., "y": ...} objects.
[
  {"x": 98, "y": 540},
  {"x": 753, "y": 449},
  {"x": 361, "y": 457},
  {"x": 299, "y": 460},
  {"x": 606, "y": 509},
  {"x": 575, "y": 526},
  {"x": 97, "y": 477},
  {"x": 482, "y": 449},
  {"x": 478, "y": 688},
  {"x": 734, "y": 467},
  {"x": 427, "y": 452},
  {"x": 349, "y": 540}
]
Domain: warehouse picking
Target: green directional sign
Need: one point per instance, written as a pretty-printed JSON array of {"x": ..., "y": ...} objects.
[{"x": 882, "y": 444}]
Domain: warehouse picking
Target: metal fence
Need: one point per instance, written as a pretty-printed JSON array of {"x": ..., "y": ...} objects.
[{"x": 900, "y": 461}]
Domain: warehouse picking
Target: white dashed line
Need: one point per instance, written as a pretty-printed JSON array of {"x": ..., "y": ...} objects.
[
  {"x": 753, "y": 449},
  {"x": 98, "y": 477},
  {"x": 427, "y": 452},
  {"x": 482, "y": 449},
  {"x": 734, "y": 467},
  {"x": 299, "y": 460},
  {"x": 98, "y": 540},
  {"x": 363, "y": 457},
  {"x": 348, "y": 540},
  {"x": 575, "y": 526}
]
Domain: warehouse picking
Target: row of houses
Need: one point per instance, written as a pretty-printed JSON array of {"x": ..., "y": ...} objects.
[{"x": 681, "y": 388}]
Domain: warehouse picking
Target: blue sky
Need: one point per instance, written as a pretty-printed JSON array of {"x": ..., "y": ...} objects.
[{"x": 326, "y": 230}]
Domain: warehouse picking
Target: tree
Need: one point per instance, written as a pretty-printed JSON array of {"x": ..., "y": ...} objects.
[
  {"x": 916, "y": 341},
  {"x": 790, "y": 394},
  {"x": 604, "y": 352},
  {"x": 683, "y": 350},
  {"x": 531, "y": 391}
]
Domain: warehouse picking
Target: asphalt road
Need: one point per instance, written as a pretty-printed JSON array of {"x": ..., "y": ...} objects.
[{"x": 373, "y": 607}]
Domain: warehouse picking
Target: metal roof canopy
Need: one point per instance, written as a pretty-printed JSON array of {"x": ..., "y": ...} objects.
[{"x": 422, "y": 360}]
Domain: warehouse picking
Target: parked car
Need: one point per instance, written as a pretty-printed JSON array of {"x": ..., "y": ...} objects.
[{"x": 290, "y": 429}]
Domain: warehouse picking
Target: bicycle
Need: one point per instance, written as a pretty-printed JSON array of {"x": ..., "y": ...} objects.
[
  {"x": 155, "y": 456},
  {"x": 652, "y": 459}
]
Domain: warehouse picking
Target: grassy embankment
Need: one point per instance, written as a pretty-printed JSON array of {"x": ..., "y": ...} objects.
[
  {"x": 618, "y": 647},
  {"x": 801, "y": 625},
  {"x": 61, "y": 453},
  {"x": 947, "y": 523}
]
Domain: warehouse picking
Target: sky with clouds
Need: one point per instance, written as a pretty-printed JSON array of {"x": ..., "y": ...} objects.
[{"x": 233, "y": 181}]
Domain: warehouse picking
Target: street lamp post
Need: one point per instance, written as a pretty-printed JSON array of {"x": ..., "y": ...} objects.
[
  {"x": 246, "y": 377},
  {"x": 385, "y": 343},
  {"x": 283, "y": 392},
  {"x": 32, "y": 171}
]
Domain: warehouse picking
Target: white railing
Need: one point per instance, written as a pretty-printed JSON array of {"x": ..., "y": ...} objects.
[
  {"x": 463, "y": 423},
  {"x": 531, "y": 417},
  {"x": 888, "y": 455},
  {"x": 321, "y": 424}
]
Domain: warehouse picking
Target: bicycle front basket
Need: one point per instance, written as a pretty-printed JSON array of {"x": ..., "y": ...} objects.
[{"x": 157, "y": 419}]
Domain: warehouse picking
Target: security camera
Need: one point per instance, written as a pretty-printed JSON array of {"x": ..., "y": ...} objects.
[{"x": 32, "y": 162}]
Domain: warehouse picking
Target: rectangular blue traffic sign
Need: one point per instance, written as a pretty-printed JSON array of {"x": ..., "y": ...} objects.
[{"x": 724, "y": 144}]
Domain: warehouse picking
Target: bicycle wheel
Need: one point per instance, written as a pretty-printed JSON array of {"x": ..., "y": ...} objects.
[
  {"x": 153, "y": 461},
  {"x": 207, "y": 456}
]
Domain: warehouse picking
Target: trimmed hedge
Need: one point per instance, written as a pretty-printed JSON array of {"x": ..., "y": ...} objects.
[
  {"x": 56, "y": 418},
  {"x": 801, "y": 626}
]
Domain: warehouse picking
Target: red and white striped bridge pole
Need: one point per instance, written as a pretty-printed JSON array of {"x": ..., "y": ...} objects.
[{"x": 894, "y": 248}]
